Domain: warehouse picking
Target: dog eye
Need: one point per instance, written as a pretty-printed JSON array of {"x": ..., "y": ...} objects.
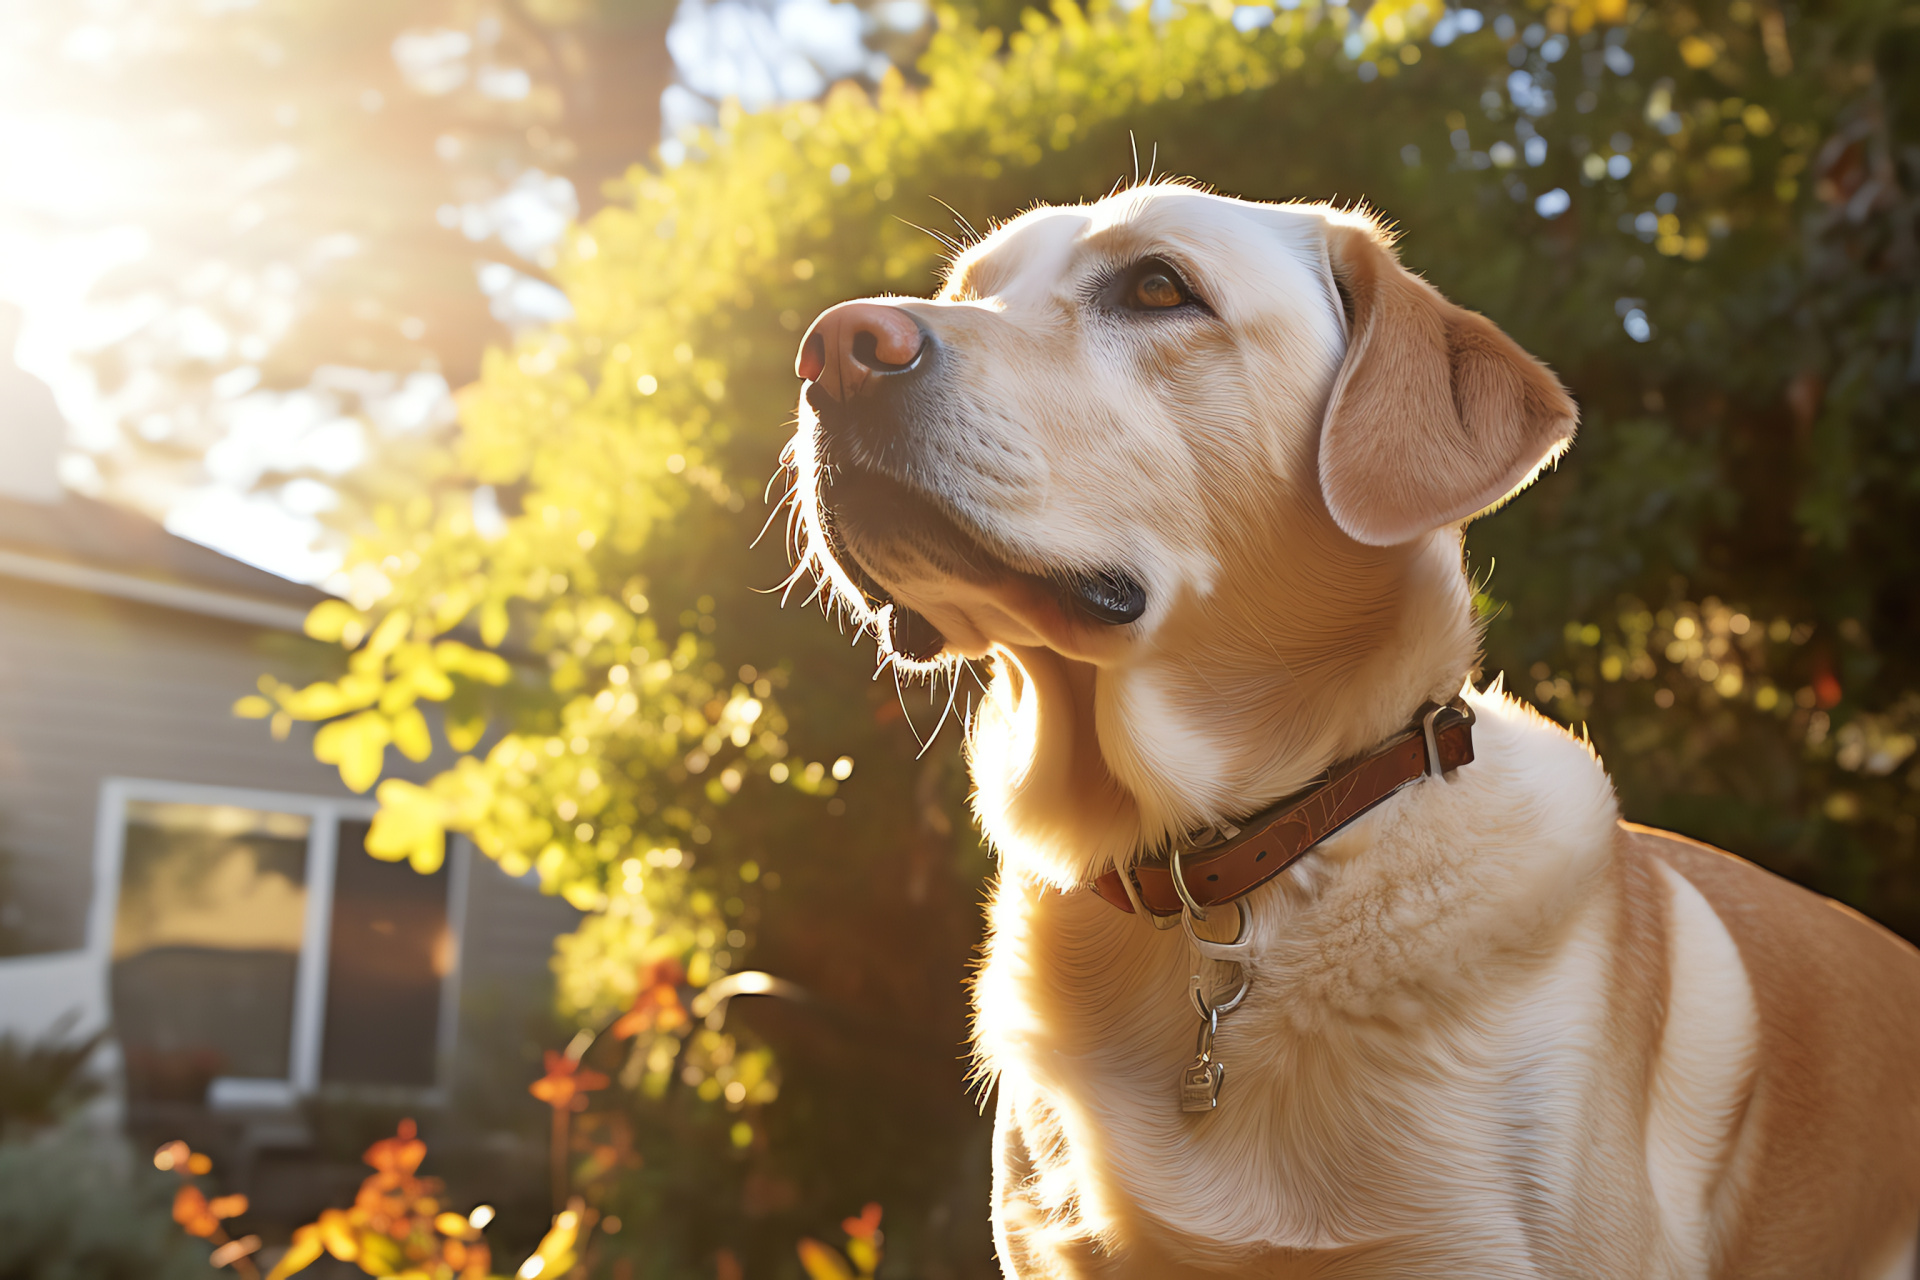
[{"x": 1154, "y": 286}]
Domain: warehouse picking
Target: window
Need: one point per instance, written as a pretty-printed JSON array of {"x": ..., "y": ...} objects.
[{"x": 255, "y": 952}]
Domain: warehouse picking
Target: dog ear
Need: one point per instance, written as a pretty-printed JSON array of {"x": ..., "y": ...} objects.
[{"x": 1436, "y": 415}]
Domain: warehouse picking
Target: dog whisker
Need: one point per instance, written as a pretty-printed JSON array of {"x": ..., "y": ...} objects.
[{"x": 960, "y": 218}]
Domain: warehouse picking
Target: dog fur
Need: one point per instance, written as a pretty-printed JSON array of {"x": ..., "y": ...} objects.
[{"x": 1491, "y": 1030}]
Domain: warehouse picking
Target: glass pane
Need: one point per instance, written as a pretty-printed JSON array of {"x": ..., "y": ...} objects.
[
  {"x": 206, "y": 941},
  {"x": 391, "y": 949}
]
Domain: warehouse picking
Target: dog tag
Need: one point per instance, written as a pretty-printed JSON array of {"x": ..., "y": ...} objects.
[
  {"x": 1200, "y": 1085},
  {"x": 1200, "y": 1082}
]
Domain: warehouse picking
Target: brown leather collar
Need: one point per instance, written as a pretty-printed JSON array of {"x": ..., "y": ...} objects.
[{"x": 1439, "y": 741}]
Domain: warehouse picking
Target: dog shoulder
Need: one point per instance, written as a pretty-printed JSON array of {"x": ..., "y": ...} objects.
[{"x": 1828, "y": 1130}]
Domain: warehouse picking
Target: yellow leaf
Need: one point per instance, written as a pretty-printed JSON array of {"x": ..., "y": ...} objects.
[
  {"x": 380, "y": 1255},
  {"x": 409, "y": 825},
  {"x": 464, "y": 734},
  {"x": 336, "y": 622},
  {"x": 452, "y": 607},
  {"x": 391, "y": 631},
  {"x": 493, "y": 622},
  {"x": 823, "y": 1263},
  {"x": 431, "y": 681},
  {"x": 357, "y": 745},
  {"x": 411, "y": 736},
  {"x": 475, "y": 664},
  {"x": 455, "y": 1226},
  {"x": 253, "y": 707},
  {"x": 335, "y": 1230},
  {"x": 303, "y": 1253},
  {"x": 323, "y": 701}
]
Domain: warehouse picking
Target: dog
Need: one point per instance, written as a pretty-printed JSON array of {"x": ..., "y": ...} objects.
[{"x": 1187, "y": 475}]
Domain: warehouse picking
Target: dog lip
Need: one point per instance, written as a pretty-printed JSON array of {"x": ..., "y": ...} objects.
[
  {"x": 910, "y": 635},
  {"x": 854, "y": 490},
  {"x": 1105, "y": 597},
  {"x": 1110, "y": 596}
]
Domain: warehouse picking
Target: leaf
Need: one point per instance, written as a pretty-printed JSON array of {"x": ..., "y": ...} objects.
[
  {"x": 336, "y": 622},
  {"x": 455, "y": 1226},
  {"x": 411, "y": 736},
  {"x": 301, "y": 1254},
  {"x": 380, "y": 1255},
  {"x": 356, "y": 745},
  {"x": 493, "y": 623},
  {"x": 823, "y": 1262},
  {"x": 388, "y": 635},
  {"x": 409, "y": 825},
  {"x": 337, "y": 1232},
  {"x": 475, "y": 664},
  {"x": 464, "y": 732}
]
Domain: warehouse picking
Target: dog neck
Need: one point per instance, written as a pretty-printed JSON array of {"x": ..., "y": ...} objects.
[{"x": 1078, "y": 767}]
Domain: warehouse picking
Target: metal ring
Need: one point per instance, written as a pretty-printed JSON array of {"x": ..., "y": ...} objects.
[
  {"x": 1210, "y": 1012},
  {"x": 1227, "y": 952},
  {"x": 1433, "y": 744},
  {"x": 1139, "y": 904},
  {"x": 1194, "y": 909}
]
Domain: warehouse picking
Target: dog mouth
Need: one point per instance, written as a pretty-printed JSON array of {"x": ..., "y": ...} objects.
[{"x": 861, "y": 510}]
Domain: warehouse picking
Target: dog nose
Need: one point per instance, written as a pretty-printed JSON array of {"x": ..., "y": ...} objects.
[{"x": 852, "y": 346}]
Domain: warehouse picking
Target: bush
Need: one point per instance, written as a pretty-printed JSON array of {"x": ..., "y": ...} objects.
[{"x": 71, "y": 1210}]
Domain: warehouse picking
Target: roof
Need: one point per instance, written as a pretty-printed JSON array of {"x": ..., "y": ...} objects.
[{"x": 93, "y": 546}]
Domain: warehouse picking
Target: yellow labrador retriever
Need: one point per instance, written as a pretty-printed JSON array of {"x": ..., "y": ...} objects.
[{"x": 1305, "y": 959}]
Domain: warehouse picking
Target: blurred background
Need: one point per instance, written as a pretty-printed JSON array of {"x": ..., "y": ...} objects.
[{"x": 407, "y": 770}]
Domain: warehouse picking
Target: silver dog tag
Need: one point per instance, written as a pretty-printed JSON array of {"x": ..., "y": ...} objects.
[
  {"x": 1200, "y": 1085},
  {"x": 1200, "y": 1082}
]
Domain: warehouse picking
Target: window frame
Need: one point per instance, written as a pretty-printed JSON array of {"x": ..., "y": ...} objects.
[{"x": 324, "y": 814}]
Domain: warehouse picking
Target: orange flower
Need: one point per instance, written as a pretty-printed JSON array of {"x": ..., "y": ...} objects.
[
  {"x": 190, "y": 1210},
  {"x": 657, "y": 1007},
  {"x": 400, "y": 1154},
  {"x": 227, "y": 1206},
  {"x": 561, "y": 1088},
  {"x": 864, "y": 1227}
]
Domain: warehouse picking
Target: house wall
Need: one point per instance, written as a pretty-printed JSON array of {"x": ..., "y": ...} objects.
[{"x": 93, "y": 687}]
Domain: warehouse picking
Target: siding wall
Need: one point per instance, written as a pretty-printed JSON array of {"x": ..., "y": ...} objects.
[{"x": 92, "y": 688}]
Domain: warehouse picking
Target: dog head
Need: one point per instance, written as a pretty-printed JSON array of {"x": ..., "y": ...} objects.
[{"x": 1190, "y": 472}]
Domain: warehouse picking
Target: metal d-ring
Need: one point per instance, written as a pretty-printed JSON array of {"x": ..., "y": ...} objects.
[
  {"x": 1211, "y": 1013},
  {"x": 1139, "y": 905},
  {"x": 1433, "y": 743},
  {"x": 1234, "y": 952},
  {"x": 1229, "y": 952},
  {"x": 1434, "y": 769},
  {"x": 1194, "y": 909}
]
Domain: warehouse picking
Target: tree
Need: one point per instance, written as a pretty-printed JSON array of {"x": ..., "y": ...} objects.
[
  {"x": 306, "y": 221},
  {"x": 1697, "y": 213}
]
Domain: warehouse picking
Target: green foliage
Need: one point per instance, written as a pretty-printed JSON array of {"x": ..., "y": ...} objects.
[
  {"x": 1717, "y": 581},
  {"x": 70, "y": 1212},
  {"x": 42, "y": 1080}
]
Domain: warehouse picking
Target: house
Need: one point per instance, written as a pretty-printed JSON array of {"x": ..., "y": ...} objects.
[{"x": 169, "y": 871}]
